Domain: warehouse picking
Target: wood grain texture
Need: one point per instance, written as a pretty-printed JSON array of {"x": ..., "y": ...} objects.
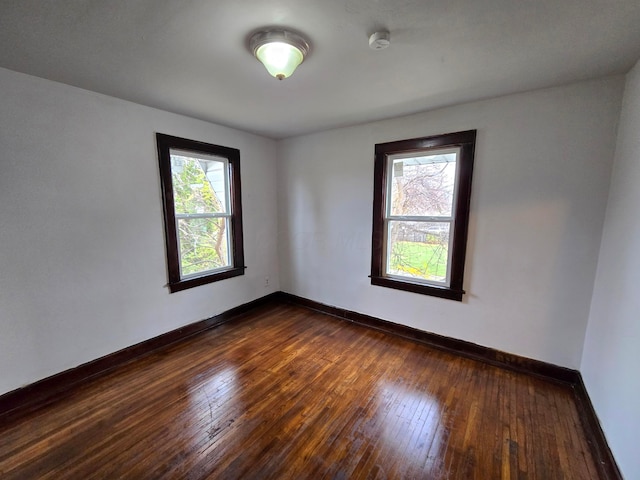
[
  {"x": 286, "y": 392},
  {"x": 454, "y": 345},
  {"x": 595, "y": 435},
  {"x": 21, "y": 401}
]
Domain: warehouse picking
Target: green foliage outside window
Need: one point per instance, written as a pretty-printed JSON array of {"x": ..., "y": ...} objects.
[
  {"x": 203, "y": 242},
  {"x": 421, "y": 260}
]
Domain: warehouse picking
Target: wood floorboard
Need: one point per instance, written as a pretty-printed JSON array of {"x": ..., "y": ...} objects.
[{"x": 286, "y": 392}]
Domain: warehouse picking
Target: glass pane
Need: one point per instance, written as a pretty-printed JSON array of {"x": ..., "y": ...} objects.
[
  {"x": 418, "y": 250},
  {"x": 203, "y": 244},
  {"x": 423, "y": 185},
  {"x": 199, "y": 183}
]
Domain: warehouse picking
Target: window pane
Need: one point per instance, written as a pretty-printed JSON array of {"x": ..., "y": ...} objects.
[
  {"x": 198, "y": 184},
  {"x": 203, "y": 244},
  {"x": 423, "y": 185},
  {"x": 418, "y": 250}
]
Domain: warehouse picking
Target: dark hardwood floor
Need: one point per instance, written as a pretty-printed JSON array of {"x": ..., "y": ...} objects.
[{"x": 286, "y": 392}]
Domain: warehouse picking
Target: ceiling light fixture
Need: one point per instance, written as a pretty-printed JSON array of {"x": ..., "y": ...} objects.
[{"x": 281, "y": 51}]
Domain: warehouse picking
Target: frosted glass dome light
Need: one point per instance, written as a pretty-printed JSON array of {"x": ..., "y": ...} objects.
[{"x": 280, "y": 51}]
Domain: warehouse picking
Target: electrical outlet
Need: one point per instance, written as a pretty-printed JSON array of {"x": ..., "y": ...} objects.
[{"x": 266, "y": 281}]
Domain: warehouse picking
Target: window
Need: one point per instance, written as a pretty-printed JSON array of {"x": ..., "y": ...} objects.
[
  {"x": 202, "y": 211},
  {"x": 422, "y": 189}
]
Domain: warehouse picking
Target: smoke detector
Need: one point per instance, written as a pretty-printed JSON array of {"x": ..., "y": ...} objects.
[{"x": 379, "y": 40}]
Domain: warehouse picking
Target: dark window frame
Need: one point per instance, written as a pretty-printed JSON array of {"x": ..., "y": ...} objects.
[
  {"x": 466, "y": 142},
  {"x": 165, "y": 144}
]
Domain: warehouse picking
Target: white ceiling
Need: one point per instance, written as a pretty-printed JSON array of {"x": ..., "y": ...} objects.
[{"x": 191, "y": 56}]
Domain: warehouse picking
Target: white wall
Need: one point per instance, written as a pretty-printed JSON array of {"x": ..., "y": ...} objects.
[
  {"x": 82, "y": 259},
  {"x": 542, "y": 169},
  {"x": 611, "y": 356}
]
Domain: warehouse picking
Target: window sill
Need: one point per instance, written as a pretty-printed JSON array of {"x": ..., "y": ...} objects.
[
  {"x": 197, "y": 281},
  {"x": 434, "y": 291}
]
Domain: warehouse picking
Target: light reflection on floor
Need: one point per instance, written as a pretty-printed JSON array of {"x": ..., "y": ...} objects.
[
  {"x": 412, "y": 427},
  {"x": 215, "y": 401}
]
